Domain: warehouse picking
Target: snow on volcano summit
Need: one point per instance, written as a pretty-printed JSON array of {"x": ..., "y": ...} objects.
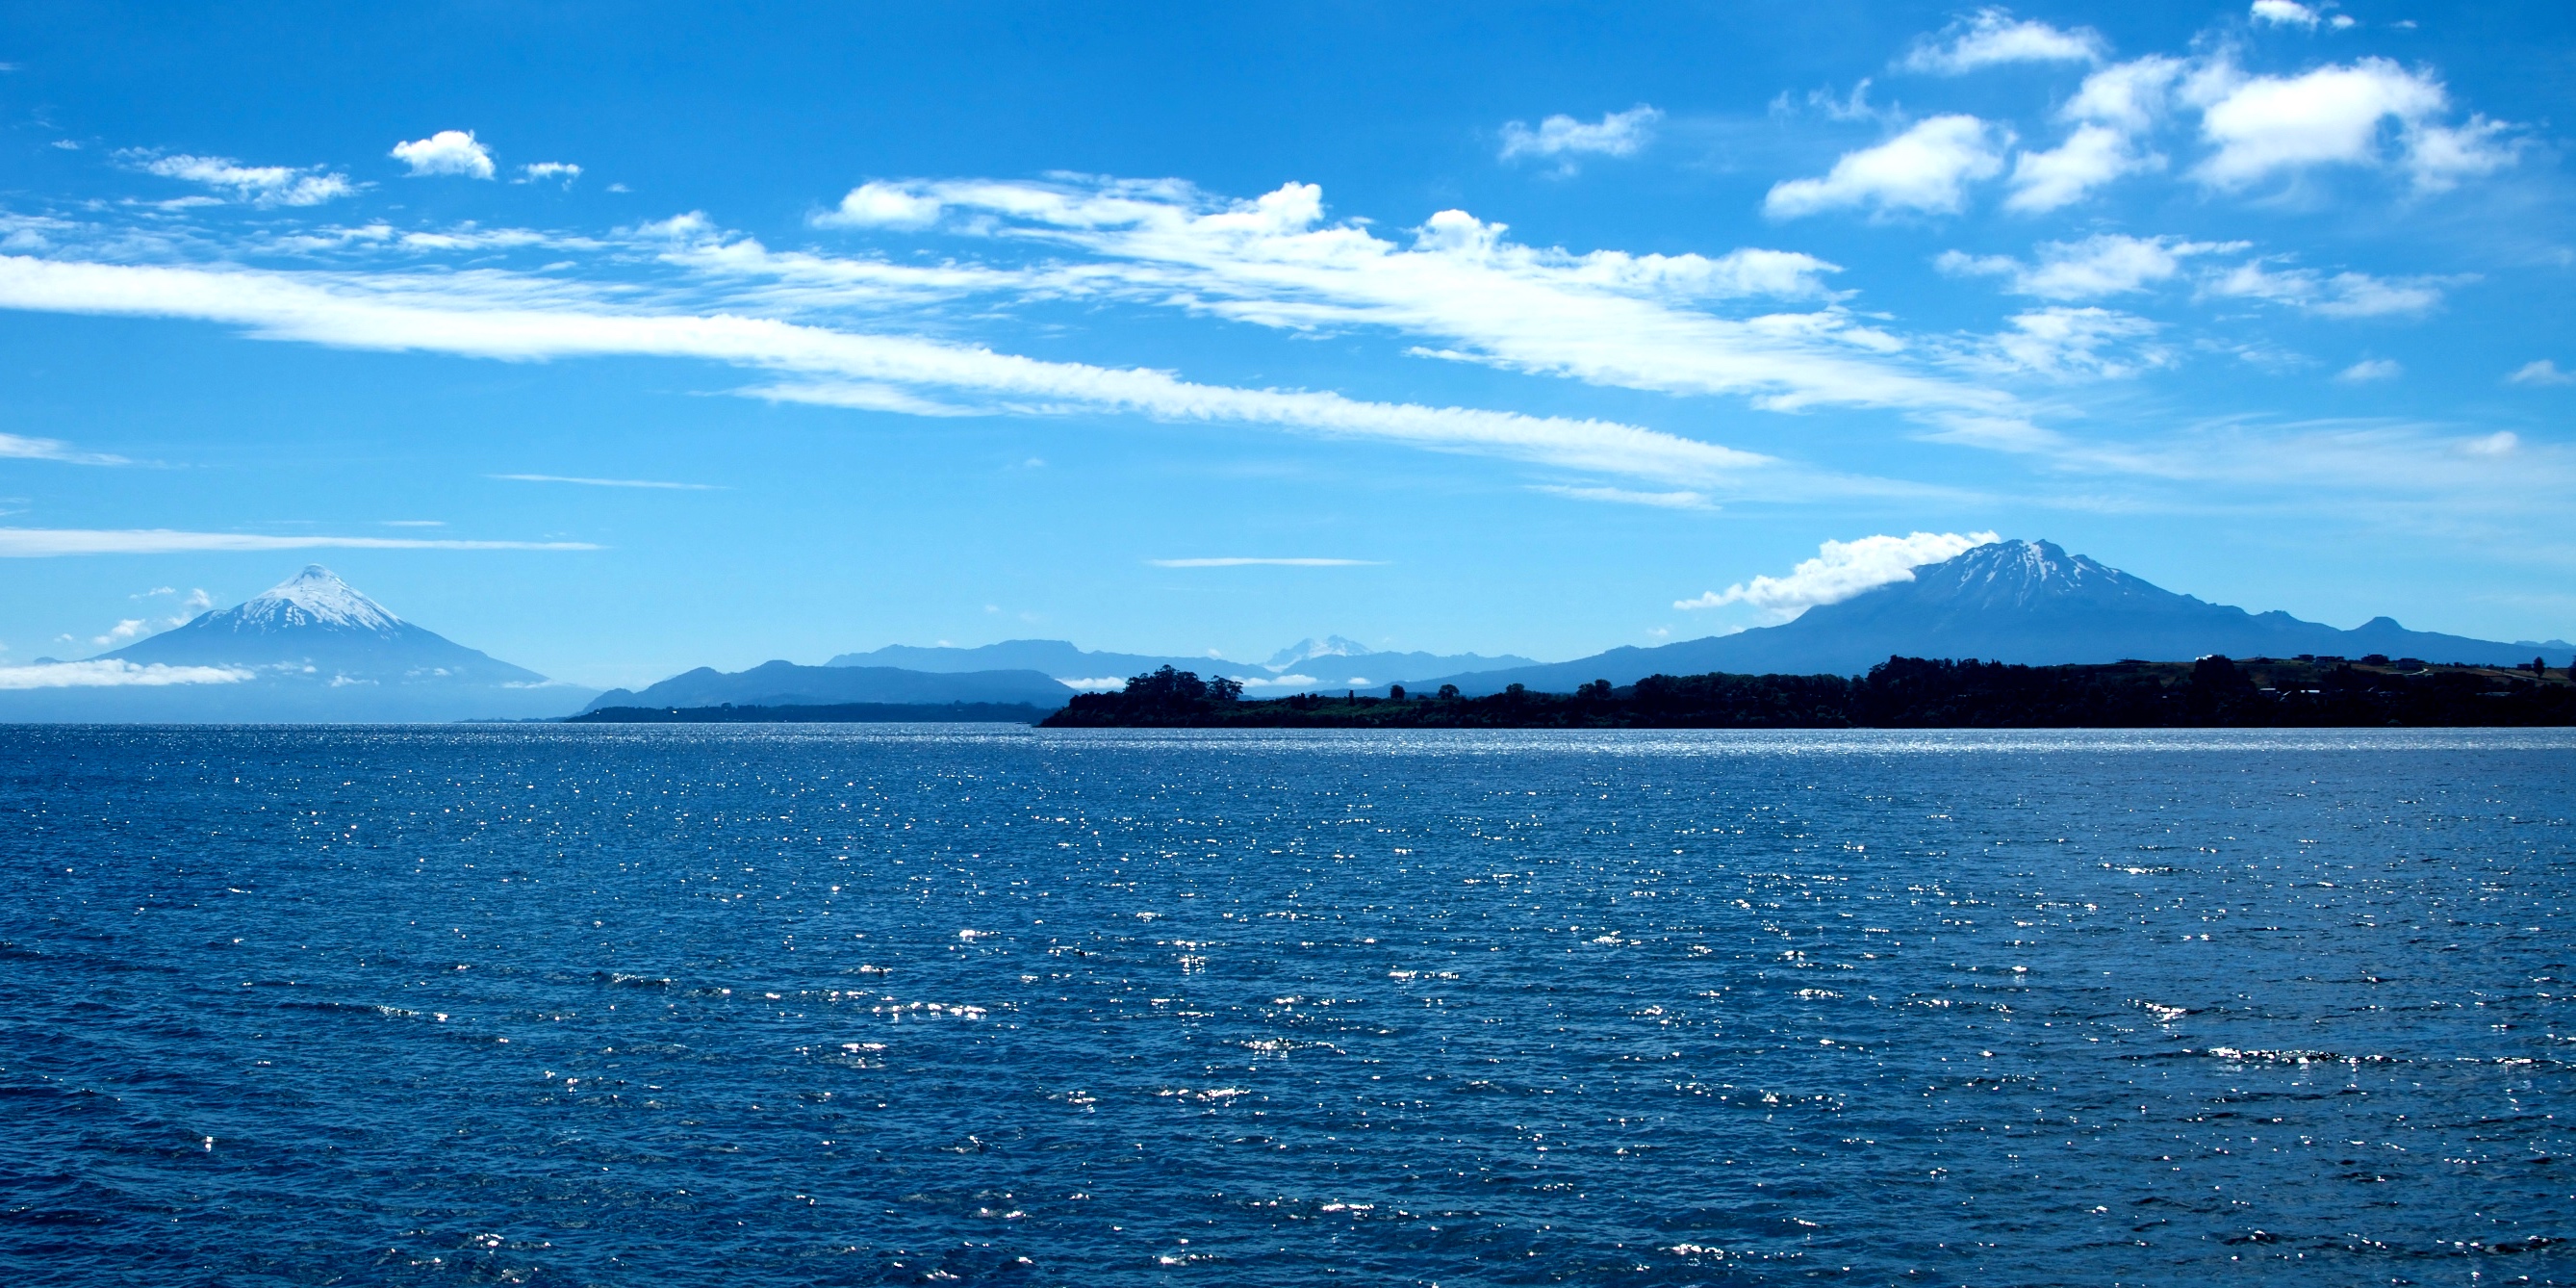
[{"x": 314, "y": 597}]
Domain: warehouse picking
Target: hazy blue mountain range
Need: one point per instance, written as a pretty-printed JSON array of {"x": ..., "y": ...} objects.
[
  {"x": 1345, "y": 659},
  {"x": 782, "y": 684},
  {"x": 310, "y": 648},
  {"x": 2010, "y": 601}
]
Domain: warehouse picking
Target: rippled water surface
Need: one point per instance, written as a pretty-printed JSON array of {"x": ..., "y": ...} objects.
[{"x": 729, "y": 1005}]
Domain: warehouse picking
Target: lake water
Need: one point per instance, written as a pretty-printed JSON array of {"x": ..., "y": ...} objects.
[{"x": 912, "y": 1004}]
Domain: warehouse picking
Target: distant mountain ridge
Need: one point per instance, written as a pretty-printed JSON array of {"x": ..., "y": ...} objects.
[
  {"x": 784, "y": 684},
  {"x": 2009, "y": 601},
  {"x": 1348, "y": 659},
  {"x": 311, "y": 648}
]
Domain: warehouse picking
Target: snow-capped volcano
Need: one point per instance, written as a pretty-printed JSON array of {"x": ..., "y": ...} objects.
[
  {"x": 314, "y": 597},
  {"x": 316, "y": 625},
  {"x": 2009, "y": 601},
  {"x": 312, "y": 647}
]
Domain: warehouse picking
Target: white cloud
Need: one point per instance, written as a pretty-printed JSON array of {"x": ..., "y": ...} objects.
[
  {"x": 644, "y": 483},
  {"x": 130, "y": 628},
  {"x": 1606, "y": 317},
  {"x": 880, "y": 205},
  {"x": 2103, "y": 264},
  {"x": 1459, "y": 287},
  {"x": 262, "y": 185},
  {"x": 2344, "y": 295},
  {"x": 541, "y": 171},
  {"x": 2092, "y": 156},
  {"x": 1245, "y": 562},
  {"x": 447, "y": 152},
  {"x": 1990, "y": 37},
  {"x": 2290, "y": 13},
  {"x": 2130, "y": 96},
  {"x": 1842, "y": 569},
  {"x": 2111, "y": 112},
  {"x": 2542, "y": 372},
  {"x": 2439, "y": 156},
  {"x": 1616, "y": 134},
  {"x": 2370, "y": 369},
  {"x": 50, "y": 449},
  {"x": 1623, "y": 496},
  {"x": 38, "y": 543},
  {"x": 2265, "y": 126},
  {"x": 1927, "y": 168},
  {"x": 498, "y": 316},
  {"x": 1852, "y": 107},
  {"x": 2503, "y": 442},
  {"x": 114, "y": 674},
  {"x": 2078, "y": 342}
]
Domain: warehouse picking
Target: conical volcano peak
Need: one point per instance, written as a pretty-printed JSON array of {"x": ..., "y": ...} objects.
[
  {"x": 316, "y": 597},
  {"x": 2023, "y": 570}
]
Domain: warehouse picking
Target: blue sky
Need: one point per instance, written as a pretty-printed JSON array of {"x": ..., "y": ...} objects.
[{"x": 1529, "y": 329}]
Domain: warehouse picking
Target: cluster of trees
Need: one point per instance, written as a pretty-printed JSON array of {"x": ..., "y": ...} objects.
[{"x": 1901, "y": 692}]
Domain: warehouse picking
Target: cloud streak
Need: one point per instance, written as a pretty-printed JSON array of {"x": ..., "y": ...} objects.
[
  {"x": 114, "y": 674},
  {"x": 1653, "y": 322},
  {"x": 1250, "y": 562},
  {"x": 51, "y": 449},
  {"x": 261, "y": 185},
  {"x": 500, "y": 317},
  {"x": 585, "y": 482},
  {"x": 39, "y": 543},
  {"x": 1563, "y": 138}
]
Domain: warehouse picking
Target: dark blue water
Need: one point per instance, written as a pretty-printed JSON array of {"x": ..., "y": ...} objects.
[{"x": 725, "y": 1005}]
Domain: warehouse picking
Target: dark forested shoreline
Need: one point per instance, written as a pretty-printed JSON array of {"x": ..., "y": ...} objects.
[{"x": 1898, "y": 693}]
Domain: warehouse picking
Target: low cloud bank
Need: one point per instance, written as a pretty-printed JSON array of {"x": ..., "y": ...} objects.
[
  {"x": 1842, "y": 569},
  {"x": 111, "y": 674}
]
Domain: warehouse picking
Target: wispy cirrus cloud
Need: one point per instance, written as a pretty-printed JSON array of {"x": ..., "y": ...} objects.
[
  {"x": 1674, "y": 324},
  {"x": 498, "y": 315},
  {"x": 2100, "y": 265},
  {"x": 1562, "y": 138},
  {"x": 38, "y": 543},
  {"x": 53, "y": 449},
  {"x": 1236, "y": 561},
  {"x": 589, "y": 482},
  {"x": 260, "y": 185},
  {"x": 2340, "y": 295},
  {"x": 1626, "y": 496}
]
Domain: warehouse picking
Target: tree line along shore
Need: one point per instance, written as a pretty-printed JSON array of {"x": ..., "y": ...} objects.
[{"x": 1901, "y": 692}]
